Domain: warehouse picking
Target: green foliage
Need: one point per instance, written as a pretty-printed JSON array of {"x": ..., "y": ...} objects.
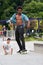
[
  {"x": 7, "y": 13},
  {"x": 7, "y": 8},
  {"x": 41, "y": 25},
  {"x": 34, "y": 24},
  {"x": 33, "y": 9}
]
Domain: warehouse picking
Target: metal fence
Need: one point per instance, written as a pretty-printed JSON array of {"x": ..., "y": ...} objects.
[{"x": 9, "y": 34}]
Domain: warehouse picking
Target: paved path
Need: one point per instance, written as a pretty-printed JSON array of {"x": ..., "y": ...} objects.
[
  {"x": 18, "y": 59},
  {"x": 31, "y": 58}
]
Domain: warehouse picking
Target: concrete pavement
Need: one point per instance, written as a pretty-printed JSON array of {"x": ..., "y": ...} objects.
[{"x": 32, "y": 58}]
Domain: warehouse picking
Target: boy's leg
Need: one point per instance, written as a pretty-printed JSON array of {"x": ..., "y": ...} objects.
[
  {"x": 17, "y": 39},
  {"x": 21, "y": 34}
]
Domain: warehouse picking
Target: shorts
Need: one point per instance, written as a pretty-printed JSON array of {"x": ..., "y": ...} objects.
[{"x": 4, "y": 33}]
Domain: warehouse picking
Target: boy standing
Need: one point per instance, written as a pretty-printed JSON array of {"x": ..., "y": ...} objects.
[{"x": 18, "y": 19}]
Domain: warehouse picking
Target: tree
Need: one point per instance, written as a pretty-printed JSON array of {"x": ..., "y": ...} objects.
[
  {"x": 7, "y": 8},
  {"x": 33, "y": 9}
]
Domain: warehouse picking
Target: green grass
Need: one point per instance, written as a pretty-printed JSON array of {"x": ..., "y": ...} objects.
[{"x": 31, "y": 38}]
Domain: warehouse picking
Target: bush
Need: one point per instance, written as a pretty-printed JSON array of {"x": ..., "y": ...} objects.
[{"x": 33, "y": 9}]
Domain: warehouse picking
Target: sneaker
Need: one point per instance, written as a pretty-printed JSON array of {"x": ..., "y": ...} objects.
[
  {"x": 19, "y": 51},
  {"x": 23, "y": 52}
]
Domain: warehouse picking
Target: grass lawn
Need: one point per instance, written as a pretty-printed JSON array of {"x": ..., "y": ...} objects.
[{"x": 31, "y": 38}]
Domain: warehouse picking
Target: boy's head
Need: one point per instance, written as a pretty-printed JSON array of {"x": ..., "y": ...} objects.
[
  {"x": 8, "y": 40},
  {"x": 19, "y": 9}
]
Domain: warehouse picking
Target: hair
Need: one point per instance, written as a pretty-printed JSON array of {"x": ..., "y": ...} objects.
[
  {"x": 8, "y": 39},
  {"x": 19, "y": 7}
]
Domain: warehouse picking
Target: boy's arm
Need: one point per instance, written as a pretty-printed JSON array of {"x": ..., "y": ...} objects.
[
  {"x": 12, "y": 19},
  {"x": 11, "y": 24},
  {"x": 27, "y": 20},
  {"x": 11, "y": 51},
  {"x": 28, "y": 24},
  {"x": 4, "y": 50}
]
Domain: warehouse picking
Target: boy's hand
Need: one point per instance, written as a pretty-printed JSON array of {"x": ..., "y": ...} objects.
[
  {"x": 11, "y": 51},
  {"x": 11, "y": 24},
  {"x": 28, "y": 25}
]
